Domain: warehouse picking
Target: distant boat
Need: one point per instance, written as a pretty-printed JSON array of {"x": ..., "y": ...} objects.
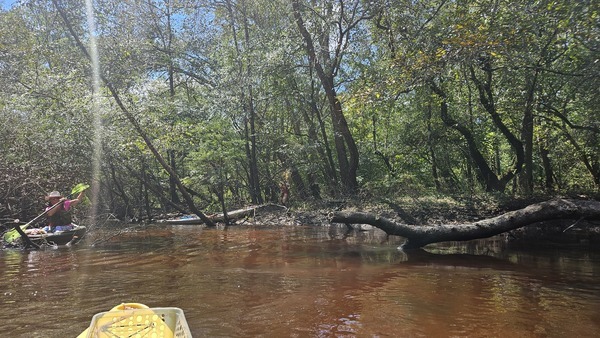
[
  {"x": 234, "y": 214},
  {"x": 186, "y": 219}
]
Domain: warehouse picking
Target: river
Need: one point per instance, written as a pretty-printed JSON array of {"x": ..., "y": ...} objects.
[{"x": 298, "y": 281}]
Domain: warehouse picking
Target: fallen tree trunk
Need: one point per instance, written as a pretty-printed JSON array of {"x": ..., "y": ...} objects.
[{"x": 419, "y": 236}]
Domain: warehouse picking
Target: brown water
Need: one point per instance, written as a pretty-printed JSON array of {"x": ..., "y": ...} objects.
[{"x": 304, "y": 282}]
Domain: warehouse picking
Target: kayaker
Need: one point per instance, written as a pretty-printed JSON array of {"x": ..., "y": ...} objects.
[{"x": 59, "y": 218}]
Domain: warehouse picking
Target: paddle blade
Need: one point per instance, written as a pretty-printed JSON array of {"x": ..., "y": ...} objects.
[
  {"x": 12, "y": 235},
  {"x": 79, "y": 188}
]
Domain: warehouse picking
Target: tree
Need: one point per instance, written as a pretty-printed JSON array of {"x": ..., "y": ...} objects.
[
  {"x": 333, "y": 26},
  {"x": 426, "y": 96},
  {"x": 503, "y": 55},
  {"x": 131, "y": 118}
]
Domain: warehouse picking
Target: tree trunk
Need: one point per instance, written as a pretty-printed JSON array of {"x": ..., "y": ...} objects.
[
  {"x": 527, "y": 135},
  {"x": 156, "y": 190},
  {"x": 171, "y": 71},
  {"x": 547, "y": 165},
  {"x": 329, "y": 164},
  {"x": 485, "y": 174},
  {"x": 146, "y": 196},
  {"x": 486, "y": 97},
  {"x": 434, "y": 168},
  {"x": 344, "y": 142},
  {"x": 587, "y": 161},
  {"x": 419, "y": 236},
  {"x": 172, "y": 179},
  {"x": 347, "y": 151},
  {"x": 118, "y": 186},
  {"x": 247, "y": 100}
]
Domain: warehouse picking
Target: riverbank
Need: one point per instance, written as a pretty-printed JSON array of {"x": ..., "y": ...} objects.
[
  {"x": 439, "y": 211},
  {"x": 427, "y": 210}
]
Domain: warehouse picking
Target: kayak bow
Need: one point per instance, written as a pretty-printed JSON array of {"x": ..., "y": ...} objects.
[{"x": 138, "y": 320}]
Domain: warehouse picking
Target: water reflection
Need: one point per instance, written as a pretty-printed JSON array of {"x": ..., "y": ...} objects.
[{"x": 303, "y": 281}]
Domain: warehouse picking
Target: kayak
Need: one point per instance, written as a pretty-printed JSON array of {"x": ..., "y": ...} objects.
[
  {"x": 59, "y": 237},
  {"x": 187, "y": 219},
  {"x": 231, "y": 215},
  {"x": 11, "y": 237},
  {"x": 138, "y": 320}
]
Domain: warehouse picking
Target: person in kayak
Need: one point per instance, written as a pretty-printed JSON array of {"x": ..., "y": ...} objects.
[{"x": 59, "y": 218}]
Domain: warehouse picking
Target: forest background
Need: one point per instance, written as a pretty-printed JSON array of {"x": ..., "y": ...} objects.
[{"x": 209, "y": 105}]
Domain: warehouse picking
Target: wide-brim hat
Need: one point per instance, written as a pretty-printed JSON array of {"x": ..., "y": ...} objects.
[{"x": 54, "y": 194}]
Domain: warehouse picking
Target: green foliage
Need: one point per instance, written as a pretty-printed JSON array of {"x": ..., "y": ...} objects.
[{"x": 195, "y": 73}]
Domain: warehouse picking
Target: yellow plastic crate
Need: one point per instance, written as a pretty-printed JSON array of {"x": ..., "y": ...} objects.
[{"x": 166, "y": 322}]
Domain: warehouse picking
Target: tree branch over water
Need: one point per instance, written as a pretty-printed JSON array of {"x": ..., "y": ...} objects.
[{"x": 419, "y": 236}]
